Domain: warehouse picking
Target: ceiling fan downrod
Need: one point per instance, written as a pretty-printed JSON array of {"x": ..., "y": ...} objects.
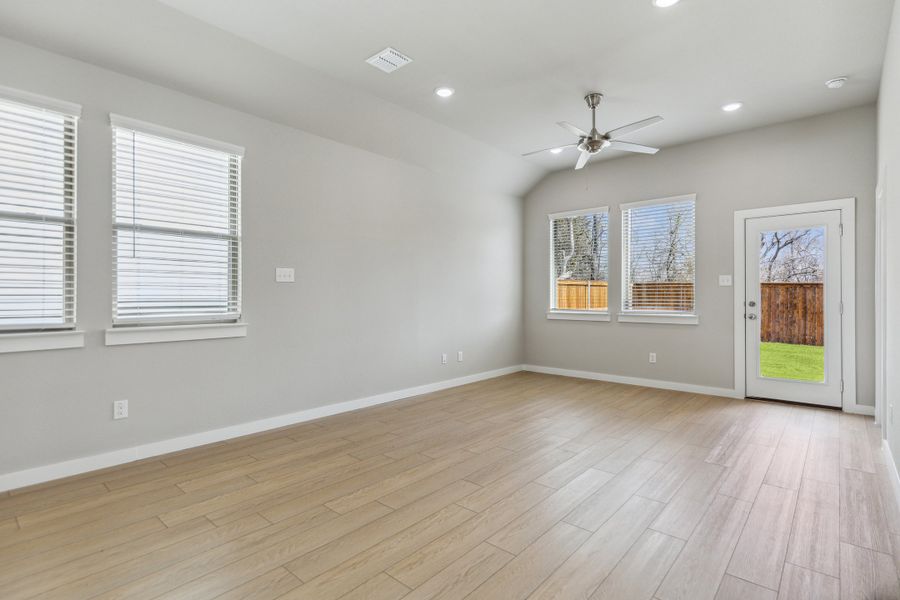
[
  {"x": 593, "y": 100},
  {"x": 594, "y": 142}
]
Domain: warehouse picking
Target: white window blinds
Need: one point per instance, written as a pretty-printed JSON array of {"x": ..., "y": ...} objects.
[
  {"x": 37, "y": 217},
  {"x": 658, "y": 256},
  {"x": 177, "y": 236},
  {"x": 579, "y": 249}
]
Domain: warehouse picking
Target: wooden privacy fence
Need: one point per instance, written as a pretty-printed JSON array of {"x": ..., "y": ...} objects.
[
  {"x": 573, "y": 294},
  {"x": 662, "y": 296},
  {"x": 792, "y": 313}
]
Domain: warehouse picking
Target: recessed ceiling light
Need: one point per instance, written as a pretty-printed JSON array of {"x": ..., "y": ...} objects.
[
  {"x": 444, "y": 92},
  {"x": 556, "y": 151},
  {"x": 665, "y": 3},
  {"x": 837, "y": 82},
  {"x": 733, "y": 106}
]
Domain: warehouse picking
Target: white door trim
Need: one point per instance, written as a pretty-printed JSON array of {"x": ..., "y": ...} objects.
[
  {"x": 881, "y": 416},
  {"x": 847, "y": 206}
]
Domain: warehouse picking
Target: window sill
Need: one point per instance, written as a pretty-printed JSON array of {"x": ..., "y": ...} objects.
[
  {"x": 578, "y": 315},
  {"x": 677, "y": 319},
  {"x": 41, "y": 340},
  {"x": 120, "y": 336}
]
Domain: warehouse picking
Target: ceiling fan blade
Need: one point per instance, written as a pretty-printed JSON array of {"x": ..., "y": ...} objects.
[
  {"x": 582, "y": 160},
  {"x": 629, "y": 147},
  {"x": 549, "y": 149},
  {"x": 617, "y": 133},
  {"x": 572, "y": 129}
]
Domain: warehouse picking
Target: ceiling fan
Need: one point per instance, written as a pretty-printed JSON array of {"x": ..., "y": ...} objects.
[{"x": 594, "y": 142}]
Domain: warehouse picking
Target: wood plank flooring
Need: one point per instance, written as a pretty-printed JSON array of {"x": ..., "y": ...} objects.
[{"x": 522, "y": 487}]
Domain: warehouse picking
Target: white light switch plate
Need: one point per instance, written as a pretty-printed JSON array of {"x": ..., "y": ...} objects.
[
  {"x": 284, "y": 275},
  {"x": 725, "y": 280}
]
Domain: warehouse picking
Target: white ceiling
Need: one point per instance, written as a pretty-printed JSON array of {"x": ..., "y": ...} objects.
[
  {"x": 155, "y": 43},
  {"x": 518, "y": 66},
  {"x": 521, "y": 65}
]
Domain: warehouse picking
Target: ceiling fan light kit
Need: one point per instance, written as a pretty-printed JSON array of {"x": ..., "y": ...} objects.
[{"x": 595, "y": 142}]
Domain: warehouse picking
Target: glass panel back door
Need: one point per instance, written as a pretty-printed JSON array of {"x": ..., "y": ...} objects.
[{"x": 792, "y": 308}]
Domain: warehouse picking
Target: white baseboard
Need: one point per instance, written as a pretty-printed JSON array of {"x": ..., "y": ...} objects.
[
  {"x": 18, "y": 479},
  {"x": 892, "y": 469},
  {"x": 654, "y": 383},
  {"x": 857, "y": 409}
]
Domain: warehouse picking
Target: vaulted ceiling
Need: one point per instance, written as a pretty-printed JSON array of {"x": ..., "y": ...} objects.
[{"x": 518, "y": 66}]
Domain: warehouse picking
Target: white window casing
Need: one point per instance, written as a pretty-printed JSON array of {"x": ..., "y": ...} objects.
[
  {"x": 579, "y": 265},
  {"x": 38, "y": 142},
  {"x": 176, "y": 227},
  {"x": 659, "y": 261}
]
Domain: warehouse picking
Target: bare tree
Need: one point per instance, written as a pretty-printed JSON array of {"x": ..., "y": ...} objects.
[
  {"x": 599, "y": 259},
  {"x": 580, "y": 247},
  {"x": 792, "y": 256},
  {"x": 671, "y": 258},
  {"x": 563, "y": 247}
]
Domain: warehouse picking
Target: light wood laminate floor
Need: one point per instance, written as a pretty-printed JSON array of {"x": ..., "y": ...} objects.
[{"x": 525, "y": 486}]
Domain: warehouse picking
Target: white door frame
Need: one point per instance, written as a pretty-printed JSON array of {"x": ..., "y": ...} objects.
[
  {"x": 881, "y": 416},
  {"x": 847, "y": 206}
]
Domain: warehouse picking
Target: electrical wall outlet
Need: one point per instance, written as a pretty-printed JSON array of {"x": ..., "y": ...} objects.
[
  {"x": 459, "y": 356},
  {"x": 120, "y": 409},
  {"x": 725, "y": 280},
  {"x": 444, "y": 358},
  {"x": 653, "y": 357},
  {"x": 284, "y": 275}
]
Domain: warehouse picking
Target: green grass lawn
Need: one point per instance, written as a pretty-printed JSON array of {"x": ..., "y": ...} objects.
[{"x": 792, "y": 361}]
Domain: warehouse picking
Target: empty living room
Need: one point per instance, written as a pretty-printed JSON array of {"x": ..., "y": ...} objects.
[{"x": 428, "y": 300}]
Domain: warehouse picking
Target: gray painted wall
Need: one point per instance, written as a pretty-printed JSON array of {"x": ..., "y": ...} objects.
[
  {"x": 889, "y": 171},
  {"x": 390, "y": 259},
  {"x": 819, "y": 158}
]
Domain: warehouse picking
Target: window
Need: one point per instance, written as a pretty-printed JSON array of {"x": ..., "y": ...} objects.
[
  {"x": 176, "y": 230},
  {"x": 579, "y": 278},
  {"x": 37, "y": 214},
  {"x": 658, "y": 257}
]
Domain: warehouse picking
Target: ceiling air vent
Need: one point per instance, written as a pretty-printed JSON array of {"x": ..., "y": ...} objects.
[{"x": 389, "y": 60}]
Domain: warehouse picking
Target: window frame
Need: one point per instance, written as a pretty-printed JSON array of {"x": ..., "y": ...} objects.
[
  {"x": 49, "y": 336},
  {"x": 177, "y": 328},
  {"x": 554, "y": 313},
  {"x": 655, "y": 316}
]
